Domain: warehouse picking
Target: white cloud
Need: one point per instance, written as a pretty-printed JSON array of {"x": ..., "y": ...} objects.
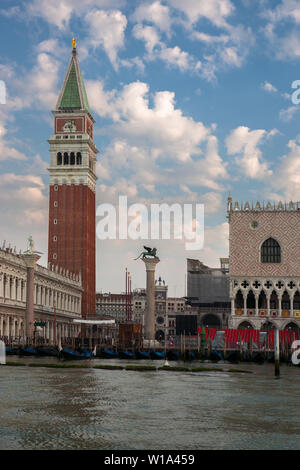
[
  {"x": 210, "y": 39},
  {"x": 285, "y": 46},
  {"x": 246, "y": 143},
  {"x": 23, "y": 193},
  {"x": 42, "y": 82},
  {"x": 162, "y": 128},
  {"x": 212, "y": 202},
  {"x": 156, "y": 49},
  {"x": 7, "y": 149},
  {"x": 59, "y": 12},
  {"x": 216, "y": 11},
  {"x": 107, "y": 29},
  {"x": 156, "y": 147},
  {"x": 38, "y": 88},
  {"x": 267, "y": 86},
  {"x": 101, "y": 101},
  {"x": 230, "y": 56},
  {"x": 155, "y": 13},
  {"x": 287, "y": 174},
  {"x": 229, "y": 49},
  {"x": 148, "y": 34},
  {"x": 53, "y": 47},
  {"x": 13, "y": 12},
  {"x": 134, "y": 62},
  {"x": 225, "y": 50},
  {"x": 175, "y": 56},
  {"x": 287, "y": 9},
  {"x": 287, "y": 114},
  {"x": 24, "y": 211}
]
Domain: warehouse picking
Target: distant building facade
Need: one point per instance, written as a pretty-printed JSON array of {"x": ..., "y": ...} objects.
[
  {"x": 111, "y": 305},
  {"x": 208, "y": 292},
  {"x": 51, "y": 286},
  {"x": 166, "y": 308},
  {"x": 264, "y": 264}
]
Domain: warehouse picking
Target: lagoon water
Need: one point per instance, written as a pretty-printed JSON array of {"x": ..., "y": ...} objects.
[{"x": 44, "y": 408}]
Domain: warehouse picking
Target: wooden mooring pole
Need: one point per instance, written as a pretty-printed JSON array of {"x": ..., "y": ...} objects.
[{"x": 277, "y": 353}]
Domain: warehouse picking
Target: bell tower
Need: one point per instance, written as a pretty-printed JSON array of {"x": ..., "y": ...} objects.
[{"x": 72, "y": 206}]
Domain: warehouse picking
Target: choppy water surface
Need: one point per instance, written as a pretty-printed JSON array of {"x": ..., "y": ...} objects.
[{"x": 100, "y": 409}]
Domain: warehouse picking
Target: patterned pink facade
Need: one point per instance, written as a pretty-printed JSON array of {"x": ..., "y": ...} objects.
[
  {"x": 245, "y": 242},
  {"x": 264, "y": 291}
]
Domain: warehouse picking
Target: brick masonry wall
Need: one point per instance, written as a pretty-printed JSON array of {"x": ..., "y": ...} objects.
[
  {"x": 245, "y": 242},
  {"x": 76, "y": 231}
]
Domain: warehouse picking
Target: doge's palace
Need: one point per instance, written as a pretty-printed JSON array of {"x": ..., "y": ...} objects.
[{"x": 264, "y": 264}]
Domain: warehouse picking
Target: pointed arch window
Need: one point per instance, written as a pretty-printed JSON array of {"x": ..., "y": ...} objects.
[{"x": 270, "y": 251}]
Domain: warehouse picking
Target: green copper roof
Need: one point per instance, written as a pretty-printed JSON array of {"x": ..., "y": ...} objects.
[
  {"x": 86, "y": 103},
  {"x": 71, "y": 96},
  {"x": 74, "y": 89}
]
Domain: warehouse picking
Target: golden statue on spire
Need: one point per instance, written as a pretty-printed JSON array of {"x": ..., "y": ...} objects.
[{"x": 74, "y": 43}]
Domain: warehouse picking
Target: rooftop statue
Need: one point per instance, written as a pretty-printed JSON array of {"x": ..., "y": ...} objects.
[
  {"x": 30, "y": 245},
  {"x": 149, "y": 253}
]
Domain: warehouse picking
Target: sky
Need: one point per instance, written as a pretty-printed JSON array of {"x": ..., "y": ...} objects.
[{"x": 192, "y": 102}]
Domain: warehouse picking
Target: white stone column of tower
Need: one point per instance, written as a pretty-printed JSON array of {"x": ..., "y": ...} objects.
[{"x": 150, "y": 264}]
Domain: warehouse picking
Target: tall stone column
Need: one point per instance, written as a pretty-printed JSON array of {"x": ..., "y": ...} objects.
[
  {"x": 232, "y": 306},
  {"x": 30, "y": 260},
  {"x": 150, "y": 264}
]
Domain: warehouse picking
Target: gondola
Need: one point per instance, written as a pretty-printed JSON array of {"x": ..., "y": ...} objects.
[
  {"x": 155, "y": 355},
  {"x": 108, "y": 354},
  {"x": 258, "y": 358},
  {"x": 142, "y": 355},
  {"x": 70, "y": 354},
  {"x": 233, "y": 357},
  {"x": 215, "y": 356},
  {"x": 125, "y": 354},
  {"x": 11, "y": 351},
  {"x": 173, "y": 355},
  {"x": 188, "y": 356},
  {"x": 26, "y": 351},
  {"x": 47, "y": 351}
]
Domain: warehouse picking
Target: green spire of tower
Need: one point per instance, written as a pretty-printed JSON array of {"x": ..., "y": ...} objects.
[{"x": 73, "y": 94}]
